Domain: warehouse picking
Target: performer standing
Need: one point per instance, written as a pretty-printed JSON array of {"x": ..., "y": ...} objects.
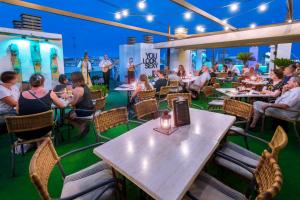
[
  {"x": 86, "y": 67},
  {"x": 131, "y": 71},
  {"x": 106, "y": 65}
]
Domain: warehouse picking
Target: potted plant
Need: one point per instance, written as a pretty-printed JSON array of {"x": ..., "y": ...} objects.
[
  {"x": 101, "y": 88},
  {"x": 282, "y": 62},
  {"x": 245, "y": 57}
]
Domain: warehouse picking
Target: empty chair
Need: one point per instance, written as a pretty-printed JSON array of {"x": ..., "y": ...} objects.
[
  {"x": 173, "y": 96},
  {"x": 209, "y": 92},
  {"x": 93, "y": 182},
  {"x": 28, "y": 126},
  {"x": 109, "y": 119},
  {"x": 164, "y": 90},
  {"x": 146, "y": 108},
  {"x": 147, "y": 94},
  {"x": 267, "y": 176},
  {"x": 278, "y": 142}
]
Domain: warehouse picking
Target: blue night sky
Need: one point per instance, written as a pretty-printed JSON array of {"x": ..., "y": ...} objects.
[{"x": 98, "y": 39}]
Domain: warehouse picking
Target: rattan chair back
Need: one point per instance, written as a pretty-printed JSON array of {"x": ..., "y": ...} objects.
[
  {"x": 174, "y": 83},
  {"x": 19, "y": 124},
  {"x": 172, "y": 97},
  {"x": 164, "y": 90},
  {"x": 213, "y": 80},
  {"x": 216, "y": 85},
  {"x": 208, "y": 90},
  {"x": 147, "y": 94},
  {"x": 278, "y": 142},
  {"x": 100, "y": 103},
  {"x": 42, "y": 162},
  {"x": 96, "y": 94},
  {"x": 268, "y": 177},
  {"x": 111, "y": 118},
  {"x": 238, "y": 108},
  {"x": 222, "y": 75},
  {"x": 235, "y": 84},
  {"x": 240, "y": 79},
  {"x": 145, "y": 108}
]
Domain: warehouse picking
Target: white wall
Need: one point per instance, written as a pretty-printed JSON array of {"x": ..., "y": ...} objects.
[
  {"x": 181, "y": 57},
  {"x": 139, "y": 53}
]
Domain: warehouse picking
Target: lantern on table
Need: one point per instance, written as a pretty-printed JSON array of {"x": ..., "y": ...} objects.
[{"x": 165, "y": 121}]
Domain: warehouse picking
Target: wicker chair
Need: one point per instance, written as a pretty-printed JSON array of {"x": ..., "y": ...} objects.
[
  {"x": 216, "y": 85},
  {"x": 290, "y": 120},
  {"x": 267, "y": 178},
  {"x": 94, "y": 181},
  {"x": 223, "y": 75},
  {"x": 96, "y": 94},
  {"x": 100, "y": 103},
  {"x": 174, "y": 83},
  {"x": 146, "y": 108},
  {"x": 164, "y": 91},
  {"x": 24, "y": 124},
  {"x": 109, "y": 119},
  {"x": 209, "y": 92},
  {"x": 147, "y": 94},
  {"x": 235, "y": 84},
  {"x": 278, "y": 142},
  {"x": 171, "y": 97},
  {"x": 212, "y": 81}
]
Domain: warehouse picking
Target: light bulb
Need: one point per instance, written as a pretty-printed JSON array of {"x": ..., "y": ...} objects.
[
  {"x": 118, "y": 16},
  {"x": 150, "y": 18},
  {"x": 187, "y": 15},
  {"x": 200, "y": 29},
  {"x": 253, "y": 25},
  {"x": 263, "y": 7},
  {"x": 125, "y": 13},
  {"x": 234, "y": 7},
  {"x": 141, "y": 5}
]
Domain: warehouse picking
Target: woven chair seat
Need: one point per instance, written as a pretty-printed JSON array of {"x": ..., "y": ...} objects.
[
  {"x": 87, "y": 178},
  {"x": 208, "y": 188},
  {"x": 239, "y": 153},
  {"x": 216, "y": 103}
]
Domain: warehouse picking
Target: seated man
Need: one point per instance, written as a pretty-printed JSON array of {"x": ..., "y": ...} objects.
[
  {"x": 198, "y": 84},
  {"x": 289, "y": 100},
  {"x": 161, "y": 81}
]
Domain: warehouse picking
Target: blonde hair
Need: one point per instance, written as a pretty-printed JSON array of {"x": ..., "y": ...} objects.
[{"x": 144, "y": 79}]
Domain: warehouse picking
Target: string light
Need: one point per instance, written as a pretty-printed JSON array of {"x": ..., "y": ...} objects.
[
  {"x": 141, "y": 5},
  {"x": 118, "y": 16},
  {"x": 290, "y": 21},
  {"x": 253, "y": 25},
  {"x": 234, "y": 7},
  {"x": 187, "y": 15},
  {"x": 125, "y": 13},
  {"x": 226, "y": 28},
  {"x": 262, "y": 7},
  {"x": 225, "y": 21},
  {"x": 150, "y": 18},
  {"x": 200, "y": 28}
]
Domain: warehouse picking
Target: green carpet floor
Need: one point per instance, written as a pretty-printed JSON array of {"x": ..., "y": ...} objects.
[{"x": 20, "y": 187}]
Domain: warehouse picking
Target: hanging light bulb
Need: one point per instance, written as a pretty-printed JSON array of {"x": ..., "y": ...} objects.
[
  {"x": 226, "y": 28},
  {"x": 262, "y": 7},
  {"x": 118, "y": 16},
  {"x": 125, "y": 12},
  {"x": 253, "y": 25},
  {"x": 200, "y": 28},
  {"x": 141, "y": 5},
  {"x": 150, "y": 18},
  {"x": 234, "y": 7},
  {"x": 225, "y": 21},
  {"x": 187, "y": 15}
]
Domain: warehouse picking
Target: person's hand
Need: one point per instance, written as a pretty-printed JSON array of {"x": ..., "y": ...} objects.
[{"x": 285, "y": 88}]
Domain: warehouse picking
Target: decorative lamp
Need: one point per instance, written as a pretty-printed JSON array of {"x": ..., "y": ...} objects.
[{"x": 165, "y": 121}]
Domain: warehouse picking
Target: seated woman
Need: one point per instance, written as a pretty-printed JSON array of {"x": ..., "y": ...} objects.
[
  {"x": 42, "y": 101},
  {"x": 82, "y": 102},
  {"x": 275, "y": 85},
  {"x": 181, "y": 71},
  {"x": 142, "y": 85},
  {"x": 9, "y": 95},
  {"x": 63, "y": 82}
]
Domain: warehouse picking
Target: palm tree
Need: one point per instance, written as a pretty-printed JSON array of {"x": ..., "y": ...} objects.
[{"x": 245, "y": 57}]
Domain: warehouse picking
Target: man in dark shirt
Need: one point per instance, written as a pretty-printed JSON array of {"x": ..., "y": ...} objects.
[{"x": 161, "y": 81}]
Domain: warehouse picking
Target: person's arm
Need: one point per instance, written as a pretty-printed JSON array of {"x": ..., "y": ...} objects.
[
  {"x": 56, "y": 100},
  {"x": 276, "y": 105},
  {"x": 276, "y": 93},
  {"x": 9, "y": 101},
  {"x": 77, "y": 94}
]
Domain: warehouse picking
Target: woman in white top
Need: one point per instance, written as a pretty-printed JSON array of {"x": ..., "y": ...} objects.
[
  {"x": 9, "y": 94},
  {"x": 142, "y": 85}
]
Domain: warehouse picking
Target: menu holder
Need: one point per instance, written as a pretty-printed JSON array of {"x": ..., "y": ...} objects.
[{"x": 181, "y": 112}]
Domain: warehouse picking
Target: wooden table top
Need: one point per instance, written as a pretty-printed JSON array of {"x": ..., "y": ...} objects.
[{"x": 165, "y": 166}]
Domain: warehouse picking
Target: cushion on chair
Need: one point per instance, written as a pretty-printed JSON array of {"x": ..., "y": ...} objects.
[
  {"x": 87, "y": 178},
  {"x": 209, "y": 188},
  {"x": 239, "y": 153},
  {"x": 236, "y": 129},
  {"x": 216, "y": 103}
]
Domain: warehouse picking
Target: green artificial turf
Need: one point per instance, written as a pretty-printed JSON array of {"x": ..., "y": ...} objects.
[{"x": 21, "y": 187}]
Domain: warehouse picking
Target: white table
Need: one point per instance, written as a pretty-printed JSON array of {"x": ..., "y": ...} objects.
[
  {"x": 254, "y": 83},
  {"x": 125, "y": 87},
  {"x": 233, "y": 93},
  {"x": 166, "y": 166},
  {"x": 189, "y": 80}
]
